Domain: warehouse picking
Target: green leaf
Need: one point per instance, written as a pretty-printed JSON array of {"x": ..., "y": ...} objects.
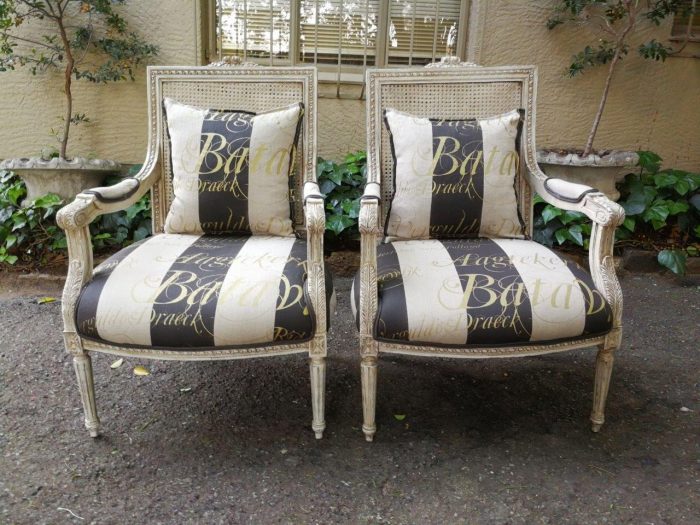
[
  {"x": 656, "y": 213},
  {"x": 649, "y": 161},
  {"x": 629, "y": 223},
  {"x": 695, "y": 201},
  {"x": 47, "y": 201},
  {"x": 551, "y": 212},
  {"x": 674, "y": 260},
  {"x": 399, "y": 417},
  {"x": 10, "y": 241},
  {"x": 562, "y": 235},
  {"x": 664, "y": 180},
  {"x": 571, "y": 216},
  {"x": 336, "y": 175},
  {"x": 575, "y": 234},
  {"x": 674, "y": 208},
  {"x": 327, "y": 186},
  {"x": 635, "y": 204},
  {"x": 338, "y": 223}
]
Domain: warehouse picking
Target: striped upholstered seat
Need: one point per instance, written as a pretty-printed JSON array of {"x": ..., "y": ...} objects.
[
  {"x": 482, "y": 292},
  {"x": 200, "y": 291}
]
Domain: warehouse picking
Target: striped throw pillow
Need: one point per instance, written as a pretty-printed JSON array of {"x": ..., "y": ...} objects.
[
  {"x": 454, "y": 178},
  {"x": 231, "y": 169}
]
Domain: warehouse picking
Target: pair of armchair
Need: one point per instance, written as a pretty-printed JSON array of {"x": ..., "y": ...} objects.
[{"x": 281, "y": 302}]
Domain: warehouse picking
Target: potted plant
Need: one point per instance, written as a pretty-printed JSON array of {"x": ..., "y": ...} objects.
[
  {"x": 85, "y": 39},
  {"x": 616, "y": 21}
]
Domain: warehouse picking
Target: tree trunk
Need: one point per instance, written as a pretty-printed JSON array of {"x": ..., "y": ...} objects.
[
  {"x": 68, "y": 77},
  {"x": 619, "y": 45},
  {"x": 599, "y": 114}
]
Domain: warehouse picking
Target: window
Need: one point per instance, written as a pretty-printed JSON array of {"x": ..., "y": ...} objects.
[
  {"x": 686, "y": 22},
  {"x": 422, "y": 30},
  {"x": 342, "y": 37}
]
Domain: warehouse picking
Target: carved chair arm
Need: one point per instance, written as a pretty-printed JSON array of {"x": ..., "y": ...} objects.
[
  {"x": 576, "y": 197},
  {"x": 369, "y": 230},
  {"x": 91, "y": 203},
  {"x": 315, "y": 218}
]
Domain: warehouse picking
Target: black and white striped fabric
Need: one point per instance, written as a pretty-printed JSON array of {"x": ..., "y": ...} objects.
[
  {"x": 200, "y": 291},
  {"x": 482, "y": 292},
  {"x": 231, "y": 169},
  {"x": 453, "y": 178}
]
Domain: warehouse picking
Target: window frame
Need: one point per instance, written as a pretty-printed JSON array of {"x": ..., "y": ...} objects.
[
  {"x": 334, "y": 72},
  {"x": 684, "y": 33}
]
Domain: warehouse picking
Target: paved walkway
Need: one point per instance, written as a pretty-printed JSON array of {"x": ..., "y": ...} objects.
[{"x": 498, "y": 441}]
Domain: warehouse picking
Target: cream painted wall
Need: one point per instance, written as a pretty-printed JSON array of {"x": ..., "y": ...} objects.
[
  {"x": 31, "y": 105},
  {"x": 651, "y": 106}
]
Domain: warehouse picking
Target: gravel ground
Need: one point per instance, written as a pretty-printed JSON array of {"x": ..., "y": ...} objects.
[{"x": 493, "y": 441}]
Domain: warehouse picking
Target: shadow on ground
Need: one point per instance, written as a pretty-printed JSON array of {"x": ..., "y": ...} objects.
[{"x": 497, "y": 441}]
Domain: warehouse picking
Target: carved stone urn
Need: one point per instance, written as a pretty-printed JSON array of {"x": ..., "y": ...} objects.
[
  {"x": 598, "y": 171},
  {"x": 63, "y": 177}
]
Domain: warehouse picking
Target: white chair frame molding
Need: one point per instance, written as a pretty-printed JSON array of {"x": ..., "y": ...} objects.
[
  {"x": 251, "y": 88},
  {"x": 605, "y": 214}
]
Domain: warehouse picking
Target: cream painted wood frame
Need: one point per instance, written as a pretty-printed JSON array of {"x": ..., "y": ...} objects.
[
  {"x": 250, "y": 88},
  {"x": 461, "y": 90}
]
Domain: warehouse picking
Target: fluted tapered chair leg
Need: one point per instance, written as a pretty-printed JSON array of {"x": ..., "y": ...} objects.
[
  {"x": 83, "y": 371},
  {"x": 603, "y": 373},
  {"x": 317, "y": 366},
  {"x": 369, "y": 396}
]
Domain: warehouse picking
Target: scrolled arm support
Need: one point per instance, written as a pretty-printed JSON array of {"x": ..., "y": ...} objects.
[
  {"x": 314, "y": 215},
  {"x": 90, "y": 204},
  {"x": 370, "y": 231},
  {"x": 576, "y": 197}
]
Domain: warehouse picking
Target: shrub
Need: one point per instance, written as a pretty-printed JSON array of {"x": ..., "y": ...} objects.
[
  {"x": 27, "y": 231},
  {"x": 342, "y": 184},
  {"x": 662, "y": 208},
  {"x": 29, "y": 234}
]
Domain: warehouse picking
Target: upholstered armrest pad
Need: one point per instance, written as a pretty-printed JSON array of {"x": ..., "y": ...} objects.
[
  {"x": 372, "y": 191},
  {"x": 567, "y": 191},
  {"x": 118, "y": 192},
  {"x": 311, "y": 189}
]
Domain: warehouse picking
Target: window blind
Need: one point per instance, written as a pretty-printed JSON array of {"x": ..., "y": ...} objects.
[
  {"x": 420, "y": 31},
  {"x": 254, "y": 29},
  {"x": 338, "y": 29}
]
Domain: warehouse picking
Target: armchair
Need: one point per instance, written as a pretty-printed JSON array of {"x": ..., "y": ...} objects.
[
  {"x": 274, "y": 296},
  {"x": 394, "y": 293}
]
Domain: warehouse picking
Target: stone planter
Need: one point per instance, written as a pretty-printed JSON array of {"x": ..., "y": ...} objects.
[
  {"x": 65, "y": 178},
  {"x": 598, "y": 171}
]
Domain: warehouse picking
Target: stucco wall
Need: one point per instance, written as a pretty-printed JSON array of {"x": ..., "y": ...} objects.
[
  {"x": 31, "y": 105},
  {"x": 651, "y": 106}
]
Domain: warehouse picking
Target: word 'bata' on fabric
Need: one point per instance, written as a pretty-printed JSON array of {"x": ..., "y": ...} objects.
[
  {"x": 200, "y": 291},
  {"x": 463, "y": 292},
  {"x": 231, "y": 169},
  {"x": 454, "y": 178}
]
